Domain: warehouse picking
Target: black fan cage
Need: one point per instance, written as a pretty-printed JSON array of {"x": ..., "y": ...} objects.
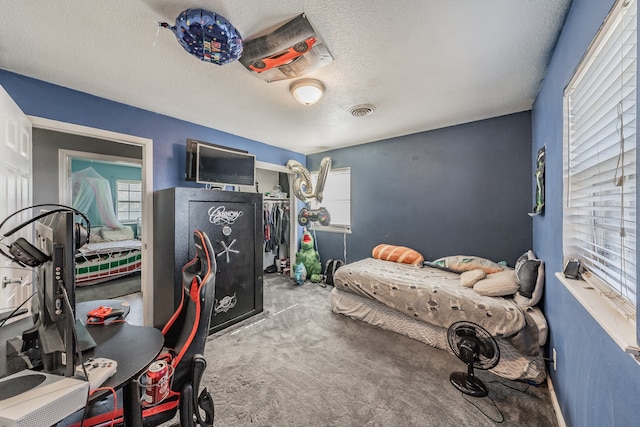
[{"x": 486, "y": 354}]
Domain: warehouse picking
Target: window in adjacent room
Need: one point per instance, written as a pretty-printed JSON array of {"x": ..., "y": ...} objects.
[
  {"x": 600, "y": 161},
  {"x": 336, "y": 199},
  {"x": 129, "y": 200}
]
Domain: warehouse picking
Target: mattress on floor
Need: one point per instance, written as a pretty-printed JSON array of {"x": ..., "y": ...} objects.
[
  {"x": 429, "y": 294},
  {"x": 423, "y": 302}
]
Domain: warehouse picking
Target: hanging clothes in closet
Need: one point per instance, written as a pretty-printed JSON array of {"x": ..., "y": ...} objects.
[
  {"x": 276, "y": 227},
  {"x": 266, "y": 215},
  {"x": 285, "y": 230}
]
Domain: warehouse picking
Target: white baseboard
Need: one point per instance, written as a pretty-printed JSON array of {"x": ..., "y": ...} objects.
[{"x": 556, "y": 404}]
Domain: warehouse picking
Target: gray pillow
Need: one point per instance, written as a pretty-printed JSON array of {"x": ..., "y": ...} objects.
[
  {"x": 527, "y": 275},
  {"x": 530, "y": 278}
]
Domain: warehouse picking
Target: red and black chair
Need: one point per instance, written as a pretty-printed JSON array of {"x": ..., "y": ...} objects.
[{"x": 185, "y": 336}]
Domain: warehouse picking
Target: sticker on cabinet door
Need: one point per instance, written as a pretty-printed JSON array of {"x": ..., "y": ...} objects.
[
  {"x": 221, "y": 216},
  {"x": 225, "y": 304}
]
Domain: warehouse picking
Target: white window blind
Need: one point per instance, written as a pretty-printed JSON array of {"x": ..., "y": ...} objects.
[
  {"x": 600, "y": 157},
  {"x": 336, "y": 199},
  {"x": 129, "y": 200}
]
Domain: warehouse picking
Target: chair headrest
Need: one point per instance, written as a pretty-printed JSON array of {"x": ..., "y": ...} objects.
[{"x": 204, "y": 251}]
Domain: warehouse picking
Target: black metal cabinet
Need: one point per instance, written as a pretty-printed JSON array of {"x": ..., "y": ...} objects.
[{"x": 233, "y": 222}]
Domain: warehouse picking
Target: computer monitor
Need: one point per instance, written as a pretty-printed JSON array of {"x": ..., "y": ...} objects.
[{"x": 56, "y": 236}]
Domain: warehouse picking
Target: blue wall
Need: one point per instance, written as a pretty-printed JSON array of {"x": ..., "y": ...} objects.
[
  {"x": 461, "y": 190},
  {"x": 596, "y": 383},
  {"x": 41, "y": 99}
]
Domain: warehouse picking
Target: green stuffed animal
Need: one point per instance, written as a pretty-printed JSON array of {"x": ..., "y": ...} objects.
[{"x": 309, "y": 257}]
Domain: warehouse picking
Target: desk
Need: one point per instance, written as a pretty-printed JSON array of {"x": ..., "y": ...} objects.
[{"x": 133, "y": 347}]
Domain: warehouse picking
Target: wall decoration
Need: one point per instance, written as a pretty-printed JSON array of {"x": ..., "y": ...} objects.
[
  {"x": 207, "y": 35},
  {"x": 325, "y": 167},
  {"x": 291, "y": 50},
  {"x": 304, "y": 191},
  {"x": 320, "y": 215},
  {"x": 302, "y": 186},
  {"x": 538, "y": 208}
]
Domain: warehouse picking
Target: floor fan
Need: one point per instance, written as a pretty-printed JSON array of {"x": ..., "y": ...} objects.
[{"x": 476, "y": 347}]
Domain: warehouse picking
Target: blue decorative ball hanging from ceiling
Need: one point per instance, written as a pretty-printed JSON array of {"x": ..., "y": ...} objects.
[{"x": 207, "y": 35}]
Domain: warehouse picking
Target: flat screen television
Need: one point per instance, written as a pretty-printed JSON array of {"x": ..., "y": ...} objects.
[{"x": 217, "y": 165}]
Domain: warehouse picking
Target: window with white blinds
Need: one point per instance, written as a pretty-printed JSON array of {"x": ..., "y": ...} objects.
[
  {"x": 336, "y": 199},
  {"x": 600, "y": 158}
]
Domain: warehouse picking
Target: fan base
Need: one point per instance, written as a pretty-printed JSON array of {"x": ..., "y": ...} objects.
[{"x": 468, "y": 384}]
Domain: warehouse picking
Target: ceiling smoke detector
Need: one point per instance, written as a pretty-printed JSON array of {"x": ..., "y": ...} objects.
[{"x": 362, "y": 110}]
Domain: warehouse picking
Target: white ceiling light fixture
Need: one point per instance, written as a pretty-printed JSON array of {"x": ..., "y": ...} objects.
[{"x": 307, "y": 91}]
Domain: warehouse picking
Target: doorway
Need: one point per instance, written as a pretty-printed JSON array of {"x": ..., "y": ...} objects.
[
  {"x": 108, "y": 189},
  {"x": 276, "y": 185},
  {"x": 108, "y": 143}
]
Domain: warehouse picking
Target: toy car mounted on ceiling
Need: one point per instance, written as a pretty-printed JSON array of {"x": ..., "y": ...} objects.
[
  {"x": 291, "y": 50},
  {"x": 283, "y": 58}
]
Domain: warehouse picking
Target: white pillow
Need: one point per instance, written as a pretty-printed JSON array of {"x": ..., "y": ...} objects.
[
  {"x": 498, "y": 284},
  {"x": 471, "y": 277},
  {"x": 96, "y": 235},
  {"x": 115, "y": 234}
]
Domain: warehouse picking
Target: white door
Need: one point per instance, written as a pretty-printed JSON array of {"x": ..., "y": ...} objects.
[{"x": 15, "y": 193}]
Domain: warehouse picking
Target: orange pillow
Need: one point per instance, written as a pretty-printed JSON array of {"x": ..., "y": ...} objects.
[{"x": 397, "y": 254}]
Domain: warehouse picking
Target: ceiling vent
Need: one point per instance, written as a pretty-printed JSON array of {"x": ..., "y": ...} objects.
[{"x": 362, "y": 110}]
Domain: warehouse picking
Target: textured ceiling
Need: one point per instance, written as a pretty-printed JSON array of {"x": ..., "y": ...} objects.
[{"x": 424, "y": 64}]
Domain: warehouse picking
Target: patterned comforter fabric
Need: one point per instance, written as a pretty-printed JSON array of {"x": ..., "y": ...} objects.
[
  {"x": 436, "y": 297},
  {"x": 431, "y": 295}
]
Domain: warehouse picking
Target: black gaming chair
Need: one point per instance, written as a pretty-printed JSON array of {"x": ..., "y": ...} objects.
[{"x": 185, "y": 337}]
